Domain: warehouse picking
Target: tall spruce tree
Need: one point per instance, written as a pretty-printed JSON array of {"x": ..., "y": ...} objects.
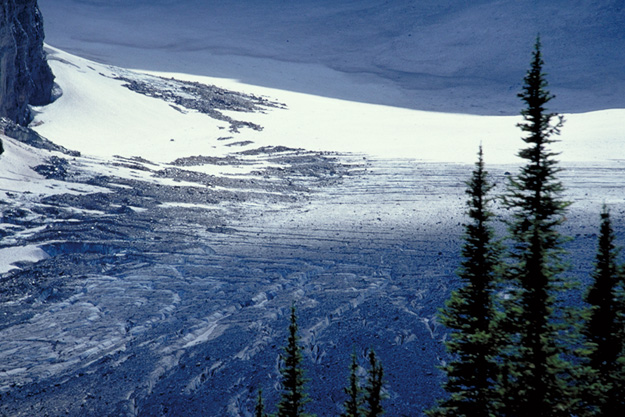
[
  {"x": 603, "y": 330},
  {"x": 373, "y": 395},
  {"x": 294, "y": 398},
  {"x": 537, "y": 375},
  {"x": 469, "y": 313},
  {"x": 354, "y": 393}
]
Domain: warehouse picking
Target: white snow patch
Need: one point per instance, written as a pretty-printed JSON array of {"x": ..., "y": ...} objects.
[
  {"x": 116, "y": 121},
  {"x": 18, "y": 177},
  {"x": 98, "y": 116},
  {"x": 190, "y": 205},
  {"x": 11, "y": 255}
]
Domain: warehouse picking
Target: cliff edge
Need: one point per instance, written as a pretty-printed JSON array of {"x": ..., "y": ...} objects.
[{"x": 25, "y": 77}]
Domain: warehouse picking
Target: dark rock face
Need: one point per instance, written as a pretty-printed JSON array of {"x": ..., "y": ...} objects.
[{"x": 25, "y": 77}]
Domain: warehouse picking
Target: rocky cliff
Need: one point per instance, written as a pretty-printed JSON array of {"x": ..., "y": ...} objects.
[{"x": 25, "y": 77}]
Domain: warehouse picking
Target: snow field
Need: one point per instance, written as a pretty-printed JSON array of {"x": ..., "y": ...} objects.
[{"x": 99, "y": 117}]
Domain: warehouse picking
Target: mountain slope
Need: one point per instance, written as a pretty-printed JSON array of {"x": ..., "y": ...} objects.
[
  {"x": 97, "y": 115},
  {"x": 152, "y": 274},
  {"x": 429, "y": 55},
  {"x": 156, "y": 282}
]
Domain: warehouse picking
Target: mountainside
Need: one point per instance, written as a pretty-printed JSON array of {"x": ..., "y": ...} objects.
[
  {"x": 152, "y": 275},
  {"x": 450, "y": 56},
  {"x": 25, "y": 77},
  {"x": 150, "y": 252}
]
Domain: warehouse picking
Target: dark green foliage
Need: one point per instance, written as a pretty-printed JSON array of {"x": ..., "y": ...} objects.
[
  {"x": 294, "y": 397},
  {"x": 602, "y": 327},
  {"x": 536, "y": 381},
  {"x": 354, "y": 393},
  {"x": 604, "y": 330},
  {"x": 259, "y": 409},
  {"x": 373, "y": 390},
  {"x": 361, "y": 402},
  {"x": 513, "y": 339},
  {"x": 470, "y": 314}
]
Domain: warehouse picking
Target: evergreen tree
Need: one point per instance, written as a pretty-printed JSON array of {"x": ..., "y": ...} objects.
[
  {"x": 604, "y": 328},
  {"x": 373, "y": 391},
  {"x": 294, "y": 397},
  {"x": 537, "y": 376},
  {"x": 354, "y": 393},
  {"x": 259, "y": 409},
  {"x": 470, "y": 314}
]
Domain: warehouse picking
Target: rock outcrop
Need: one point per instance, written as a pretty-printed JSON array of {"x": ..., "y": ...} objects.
[{"x": 25, "y": 77}]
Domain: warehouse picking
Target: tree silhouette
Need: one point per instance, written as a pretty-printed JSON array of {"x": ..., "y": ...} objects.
[
  {"x": 604, "y": 329},
  {"x": 470, "y": 314},
  {"x": 537, "y": 375},
  {"x": 294, "y": 397},
  {"x": 259, "y": 409},
  {"x": 354, "y": 393},
  {"x": 373, "y": 390}
]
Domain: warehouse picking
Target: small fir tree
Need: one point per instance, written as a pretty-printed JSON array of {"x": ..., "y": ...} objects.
[
  {"x": 294, "y": 397},
  {"x": 354, "y": 400},
  {"x": 536, "y": 379},
  {"x": 603, "y": 330},
  {"x": 470, "y": 314},
  {"x": 259, "y": 409},
  {"x": 373, "y": 395}
]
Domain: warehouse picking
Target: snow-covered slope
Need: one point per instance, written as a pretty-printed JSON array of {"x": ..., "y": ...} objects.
[
  {"x": 450, "y": 55},
  {"x": 22, "y": 188},
  {"x": 97, "y": 115}
]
